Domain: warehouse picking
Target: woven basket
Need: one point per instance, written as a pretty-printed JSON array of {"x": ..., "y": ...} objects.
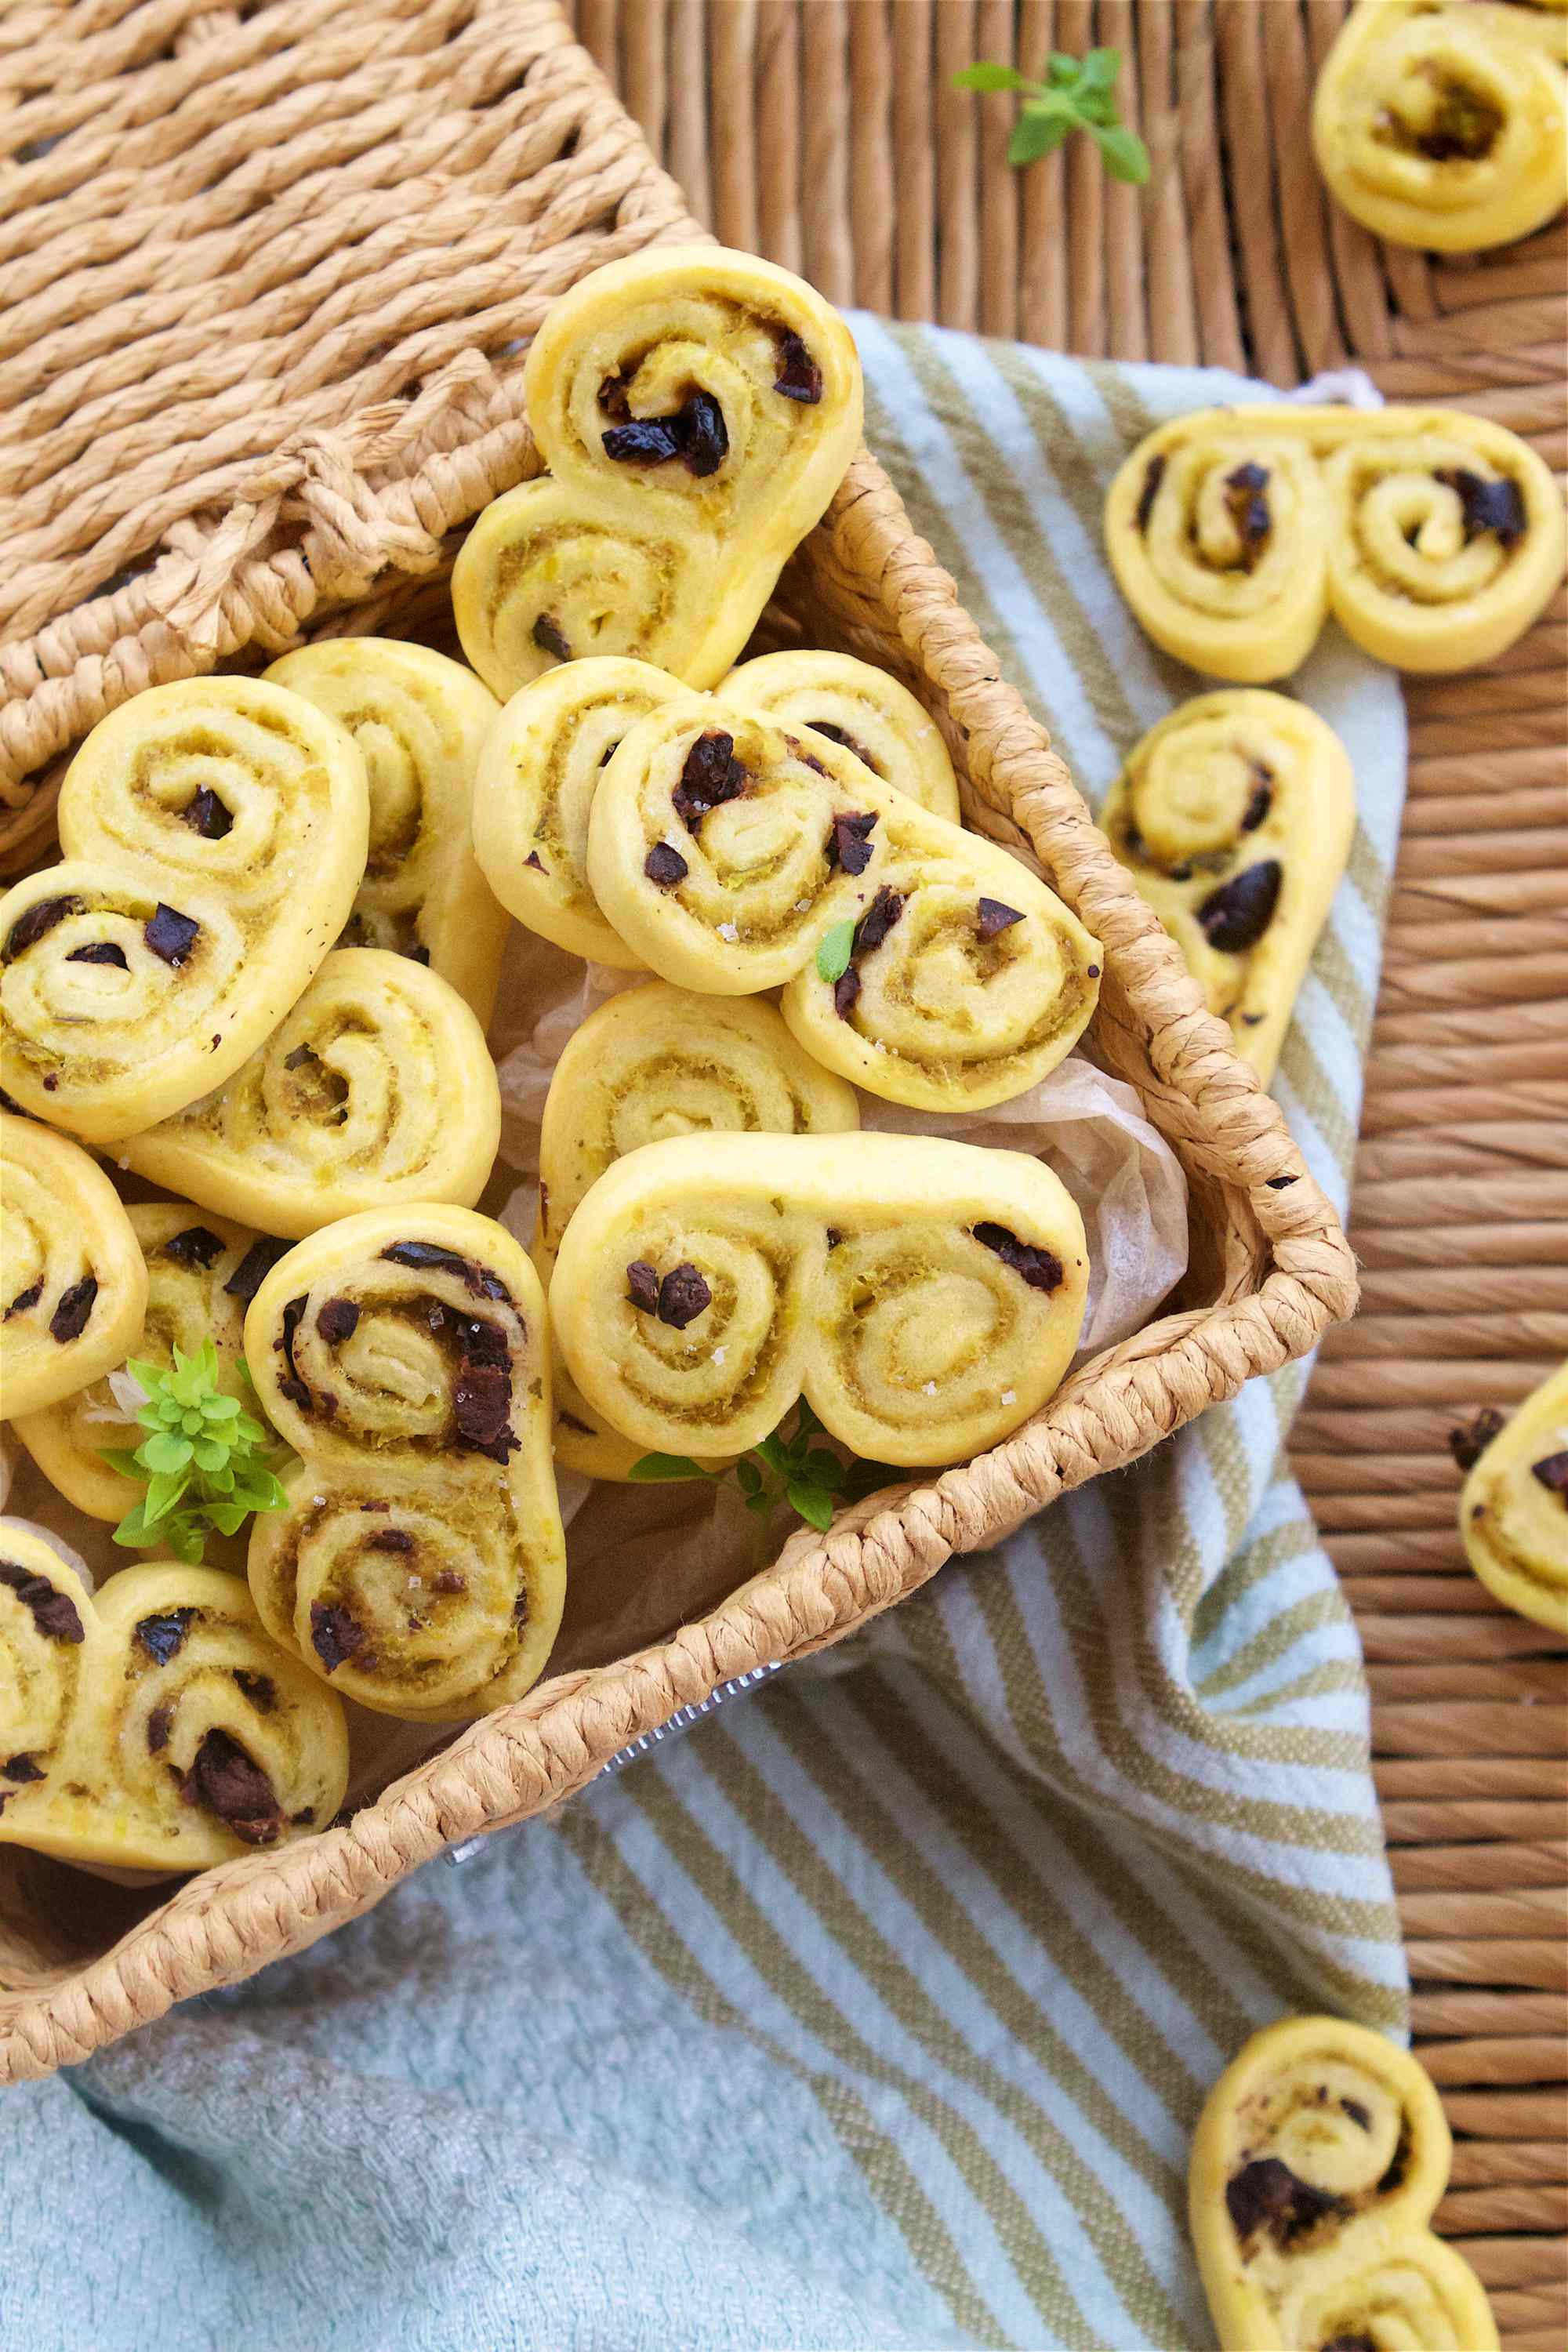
[{"x": 264, "y": 365}]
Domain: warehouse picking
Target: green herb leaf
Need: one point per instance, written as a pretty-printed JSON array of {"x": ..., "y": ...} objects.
[
  {"x": 814, "y": 1506},
  {"x": 1123, "y": 153},
  {"x": 655, "y": 1469},
  {"x": 1034, "y": 135},
  {"x": 203, "y": 1463},
  {"x": 834, "y": 951},
  {"x": 1078, "y": 94},
  {"x": 986, "y": 75}
]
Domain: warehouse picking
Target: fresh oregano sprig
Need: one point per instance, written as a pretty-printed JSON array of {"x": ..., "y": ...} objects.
[
  {"x": 203, "y": 1463},
  {"x": 1078, "y": 94},
  {"x": 782, "y": 1469}
]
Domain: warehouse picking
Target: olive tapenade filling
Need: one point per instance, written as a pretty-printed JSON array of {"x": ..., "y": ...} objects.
[
  {"x": 1248, "y": 508},
  {"x": 849, "y": 840},
  {"x": 1234, "y": 917},
  {"x": 197, "y": 1245},
  {"x": 224, "y": 1780},
  {"x": 846, "y": 741},
  {"x": 1470, "y": 1440},
  {"x": 25, "y": 1300},
  {"x": 1487, "y": 506},
  {"x": 337, "y": 1320},
  {"x": 291, "y": 1385},
  {"x": 207, "y": 815},
  {"x": 481, "y": 1394},
  {"x": 679, "y": 1299},
  {"x": 163, "y": 1636},
  {"x": 664, "y": 866},
  {"x": 992, "y": 917},
  {"x": 429, "y": 1257},
  {"x": 29, "y": 929},
  {"x": 22, "y": 1768},
  {"x": 71, "y": 1317},
  {"x": 709, "y": 776},
  {"x": 107, "y": 951},
  {"x": 695, "y": 433},
  {"x": 1040, "y": 1268},
  {"x": 877, "y": 920},
  {"x": 1266, "y": 2196},
  {"x": 847, "y": 993},
  {"x": 1262, "y": 798},
  {"x": 1153, "y": 476},
  {"x": 54, "y": 1613},
  {"x": 253, "y": 1267},
  {"x": 551, "y": 638},
  {"x": 799, "y": 377},
  {"x": 337, "y": 1635},
  {"x": 170, "y": 935},
  {"x": 1553, "y": 1473}
]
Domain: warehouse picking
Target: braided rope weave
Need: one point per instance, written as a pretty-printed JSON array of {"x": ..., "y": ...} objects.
[{"x": 265, "y": 403}]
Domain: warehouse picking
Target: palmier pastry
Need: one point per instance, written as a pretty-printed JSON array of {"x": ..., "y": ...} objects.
[
  {"x": 697, "y": 409},
  {"x": 419, "y": 1562},
  {"x": 652, "y": 1062},
  {"x": 858, "y": 707},
  {"x": 214, "y": 835},
  {"x": 1514, "y": 1509},
  {"x": 734, "y": 858},
  {"x": 1316, "y": 2165},
  {"x": 1433, "y": 537},
  {"x": 376, "y": 1086},
  {"x": 925, "y": 1297},
  {"x": 153, "y": 1726},
  {"x": 1234, "y": 817}
]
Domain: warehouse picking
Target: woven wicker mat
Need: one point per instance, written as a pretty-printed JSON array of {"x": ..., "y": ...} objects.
[{"x": 825, "y": 134}]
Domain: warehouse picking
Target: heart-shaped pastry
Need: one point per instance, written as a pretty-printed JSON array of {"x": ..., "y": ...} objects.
[
  {"x": 1234, "y": 817},
  {"x": 697, "y": 409},
  {"x": 924, "y": 1297},
  {"x": 1441, "y": 124},
  {"x": 652, "y": 1062},
  {"x": 419, "y": 720},
  {"x": 200, "y": 1277},
  {"x": 1433, "y": 537},
  {"x": 1317, "y": 2164},
  {"x": 378, "y": 1087},
  {"x": 72, "y": 1283},
  {"x": 734, "y": 858},
  {"x": 153, "y": 1725},
  {"x": 858, "y": 707},
  {"x": 1513, "y": 1508},
  {"x": 213, "y": 834},
  {"x": 419, "y": 1561}
]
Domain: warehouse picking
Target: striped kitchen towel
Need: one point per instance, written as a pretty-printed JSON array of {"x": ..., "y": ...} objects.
[{"x": 876, "y": 2011}]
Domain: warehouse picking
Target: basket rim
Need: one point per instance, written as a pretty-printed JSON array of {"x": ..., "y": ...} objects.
[{"x": 224, "y": 1923}]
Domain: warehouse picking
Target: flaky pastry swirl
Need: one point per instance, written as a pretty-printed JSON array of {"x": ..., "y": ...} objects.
[
  {"x": 1435, "y": 538},
  {"x": 858, "y": 707},
  {"x": 419, "y": 1561},
  {"x": 925, "y": 1297},
  {"x": 419, "y": 720},
  {"x": 725, "y": 853},
  {"x": 696, "y": 409},
  {"x": 652, "y": 1062},
  {"x": 376, "y": 1086},
  {"x": 214, "y": 835},
  {"x": 153, "y": 1726},
  {"x": 1234, "y": 817},
  {"x": 1441, "y": 124},
  {"x": 1317, "y": 2163},
  {"x": 72, "y": 1284}
]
